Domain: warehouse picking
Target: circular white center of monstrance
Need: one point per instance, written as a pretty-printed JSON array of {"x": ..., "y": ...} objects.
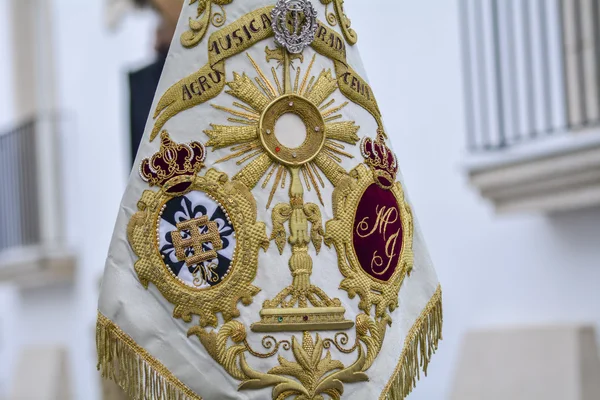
[{"x": 290, "y": 130}]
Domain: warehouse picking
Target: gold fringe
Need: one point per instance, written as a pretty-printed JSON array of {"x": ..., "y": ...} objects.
[
  {"x": 145, "y": 378},
  {"x": 139, "y": 374},
  {"x": 421, "y": 342}
]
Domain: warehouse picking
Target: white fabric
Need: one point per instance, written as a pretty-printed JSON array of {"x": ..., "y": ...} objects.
[{"x": 147, "y": 317}]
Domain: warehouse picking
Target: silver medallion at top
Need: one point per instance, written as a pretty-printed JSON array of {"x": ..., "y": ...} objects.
[{"x": 295, "y": 24}]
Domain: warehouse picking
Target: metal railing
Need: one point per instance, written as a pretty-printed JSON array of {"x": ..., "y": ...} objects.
[
  {"x": 19, "y": 209},
  {"x": 531, "y": 69}
]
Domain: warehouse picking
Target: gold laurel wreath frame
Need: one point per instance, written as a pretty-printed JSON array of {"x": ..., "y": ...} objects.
[
  {"x": 372, "y": 292},
  {"x": 251, "y": 236}
]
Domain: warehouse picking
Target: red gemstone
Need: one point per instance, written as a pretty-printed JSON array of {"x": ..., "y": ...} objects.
[
  {"x": 305, "y": 318},
  {"x": 277, "y": 149}
]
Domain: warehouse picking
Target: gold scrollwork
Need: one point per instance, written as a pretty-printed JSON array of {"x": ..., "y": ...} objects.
[
  {"x": 312, "y": 374},
  {"x": 251, "y": 235},
  {"x": 205, "y": 273},
  {"x": 339, "y": 341},
  {"x": 123, "y": 361},
  {"x": 206, "y": 17},
  {"x": 269, "y": 342},
  {"x": 340, "y": 232},
  {"x": 340, "y": 15}
]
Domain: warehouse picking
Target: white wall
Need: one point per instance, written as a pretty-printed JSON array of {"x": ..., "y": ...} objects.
[
  {"x": 522, "y": 269},
  {"x": 6, "y": 100},
  {"x": 92, "y": 65},
  {"x": 8, "y": 295},
  {"x": 93, "y": 90},
  {"x": 8, "y": 320}
]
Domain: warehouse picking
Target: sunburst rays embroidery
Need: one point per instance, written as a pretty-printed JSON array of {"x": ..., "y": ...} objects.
[{"x": 254, "y": 97}]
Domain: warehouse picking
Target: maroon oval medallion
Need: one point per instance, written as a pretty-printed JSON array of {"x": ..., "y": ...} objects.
[{"x": 377, "y": 233}]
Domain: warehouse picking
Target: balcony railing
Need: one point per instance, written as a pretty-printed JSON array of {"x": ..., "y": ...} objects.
[
  {"x": 532, "y": 96},
  {"x": 531, "y": 69},
  {"x": 19, "y": 208},
  {"x": 33, "y": 251}
]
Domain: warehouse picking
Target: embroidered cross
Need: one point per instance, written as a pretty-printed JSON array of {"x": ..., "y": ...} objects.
[{"x": 197, "y": 240}]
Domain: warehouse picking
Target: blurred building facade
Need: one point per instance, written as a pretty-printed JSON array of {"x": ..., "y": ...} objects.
[
  {"x": 64, "y": 145},
  {"x": 532, "y": 97},
  {"x": 444, "y": 60},
  {"x": 526, "y": 267}
]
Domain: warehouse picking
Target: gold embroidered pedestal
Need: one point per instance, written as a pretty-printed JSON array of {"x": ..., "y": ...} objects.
[{"x": 198, "y": 235}]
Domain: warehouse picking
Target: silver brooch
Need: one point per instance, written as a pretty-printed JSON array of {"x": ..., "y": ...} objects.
[{"x": 294, "y": 24}]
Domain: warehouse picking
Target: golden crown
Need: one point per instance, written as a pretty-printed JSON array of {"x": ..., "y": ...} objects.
[{"x": 171, "y": 161}]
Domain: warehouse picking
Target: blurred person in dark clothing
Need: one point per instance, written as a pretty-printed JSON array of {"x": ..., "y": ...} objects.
[{"x": 143, "y": 82}]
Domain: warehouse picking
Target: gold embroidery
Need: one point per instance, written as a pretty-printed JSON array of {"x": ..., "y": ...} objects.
[
  {"x": 341, "y": 339},
  {"x": 251, "y": 173},
  {"x": 332, "y": 171},
  {"x": 301, "y": 306},
  {"x": 323, "y": 87},
  {"x": 269, "y": 342},
  {"x": 206, "y": 17},
  {"x": 312, "y": 118},
  {"x": 340, "y": 231},
  {"x": 340, "y": 15},
  {"x": 331, "y": 45},
  {"x": 381, "y": 160},
  {"x": 311, "y": 370},
  {"x": 244, "y": 89},
  {"x": 372, "y": 333},
  {"x": 420, "y": 344},
  {"x": 208, "y": 82},
  {"x": 225, "y": 136},
  {"x": 122, "y": 360},
  {"x": 204, "y": 274},
  {"x": 310, "y": 376},
  {"x": 169, "y": 162},
  {"x": 250, "y": 236},
  {"x": 313, "y": 374},
  {"x": 140, "y": 375},
  {"x": 259, "y": 118},
  {"x": 385, "y": 217},
  {"x": 197, "y": 240}
]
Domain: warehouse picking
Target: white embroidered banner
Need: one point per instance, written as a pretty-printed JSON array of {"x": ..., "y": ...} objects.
[{"x": 266, "y": 247}]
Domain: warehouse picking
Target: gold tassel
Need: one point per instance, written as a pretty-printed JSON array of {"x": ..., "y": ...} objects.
[
  {"x": 139, "y": 374},
  {"x": 420, "y": 344}
]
